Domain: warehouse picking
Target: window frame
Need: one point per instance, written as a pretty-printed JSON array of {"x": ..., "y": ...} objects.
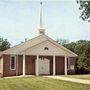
[{"x": 14, "y": 63}]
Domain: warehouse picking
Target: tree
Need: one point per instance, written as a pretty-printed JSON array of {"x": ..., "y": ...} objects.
[
  {"x": 85, "y": 8},
  {"x": 4, "y": 44},
  {"x": 82, "y": 49},
  {"x": 62, "y": 41},
  {"x": 70, "y": 46}
]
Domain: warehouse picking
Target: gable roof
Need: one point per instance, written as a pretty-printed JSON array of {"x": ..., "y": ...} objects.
[{"x": 39, "y": 39}]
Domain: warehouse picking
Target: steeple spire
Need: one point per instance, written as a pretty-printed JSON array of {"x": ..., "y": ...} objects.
[
  {"x": 41, "y": 29},
  {"x": 41, "y": 15}
]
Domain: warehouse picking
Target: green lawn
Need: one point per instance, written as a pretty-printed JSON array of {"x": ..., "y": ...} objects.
[
  {"x": 86, "y": 77},
  {"x": 39, "y": 83}
]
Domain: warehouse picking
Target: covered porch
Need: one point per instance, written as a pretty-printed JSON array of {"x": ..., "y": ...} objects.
[{"x": 44, "y": 65}]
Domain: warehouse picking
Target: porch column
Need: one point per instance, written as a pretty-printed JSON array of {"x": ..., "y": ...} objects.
[
  {"x": 1, "y": 66},
  {"x": 37, "y": 73},
  {"x": 24, "y": 65},
  {"x": 65, "y": 65},
  {"x": 54, "y": 69}
]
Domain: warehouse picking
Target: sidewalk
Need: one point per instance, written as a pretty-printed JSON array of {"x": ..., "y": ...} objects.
[
  {"x": 70, "y": 79},
  {"x": 18, "y": 76}
]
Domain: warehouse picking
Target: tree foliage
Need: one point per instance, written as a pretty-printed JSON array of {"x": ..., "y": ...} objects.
[
  {"x": 62, "y": 41},
  {"x": 82, "y": 49},
  {"x": 4, "y": 44},
  {"x": 85, "y": 8},
  {"x": 70, "y": 46}
]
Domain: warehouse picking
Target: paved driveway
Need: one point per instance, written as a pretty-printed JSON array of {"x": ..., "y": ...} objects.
[{"x": 70, "y": 79}]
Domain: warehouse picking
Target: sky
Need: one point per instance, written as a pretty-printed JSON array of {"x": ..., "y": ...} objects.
[{"x": 19, "y": 19}]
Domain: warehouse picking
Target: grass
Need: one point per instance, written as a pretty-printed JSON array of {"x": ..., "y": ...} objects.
[
  {"x": 86, "y": 77},
  {"x": 39, "y": 83}
]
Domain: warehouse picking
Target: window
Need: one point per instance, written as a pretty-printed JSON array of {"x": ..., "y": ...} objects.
[
  {"x": 12, "y": 62},
  {"x": 46, "y": 48}
]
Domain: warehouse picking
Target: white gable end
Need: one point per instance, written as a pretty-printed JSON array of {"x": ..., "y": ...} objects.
[
  {"x": 39, "y": 49},
  {"x": 36, "y": 46}
]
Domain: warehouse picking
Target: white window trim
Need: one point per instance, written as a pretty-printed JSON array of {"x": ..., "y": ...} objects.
[{"x": 15, "y": 62}]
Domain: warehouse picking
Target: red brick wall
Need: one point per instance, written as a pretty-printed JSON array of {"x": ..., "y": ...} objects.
[
  {"x": 20, "y": 65},
  {"x": 30, "y": 65},
  {"x": 59, "y": 65},
  {"x": 6, "y": 67},
  {"x": 72, "y": 62}
]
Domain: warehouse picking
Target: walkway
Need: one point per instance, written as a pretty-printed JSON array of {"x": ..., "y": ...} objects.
[
  {"x": 19, "y": 76},
  {"x": 70, "y": 79}
]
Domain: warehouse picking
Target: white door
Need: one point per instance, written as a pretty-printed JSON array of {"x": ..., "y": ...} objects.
[{"x": 44, "y": 66}]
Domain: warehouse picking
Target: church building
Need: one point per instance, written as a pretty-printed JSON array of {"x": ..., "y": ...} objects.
[{"x": 39, "y": 56}]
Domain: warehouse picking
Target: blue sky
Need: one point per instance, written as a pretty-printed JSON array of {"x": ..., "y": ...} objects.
[{"x": 19, "y": 19}]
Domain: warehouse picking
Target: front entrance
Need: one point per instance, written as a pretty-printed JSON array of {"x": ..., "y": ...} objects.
[{"x": 44, "y": 67}]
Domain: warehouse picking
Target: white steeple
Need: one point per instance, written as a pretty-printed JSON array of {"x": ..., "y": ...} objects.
[{"x": 41, "y": 30}]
